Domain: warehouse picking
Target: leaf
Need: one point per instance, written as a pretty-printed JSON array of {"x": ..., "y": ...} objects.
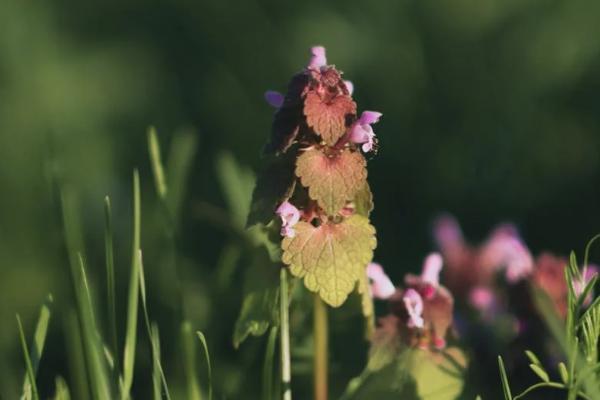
[
  {"x": 62, "y": 390},
  {"x": 287, "y": 120},
  {"x": 438, "y": 376},
  {"x": 366, "y": 303},
  {"x": 157, "y": 166},
  {"x": 504, "y": 379},
  {"x": 28, "y": 365},
  {"x": 532, "y": 357},
  {"x": 274, "y": 185},
  {"x": 331, "y": 257},
  {"x": 539, "y": 371},
  {"x": 261, "y": 293},
  {"x": 363, "y": 200},
  {"x": 332, "y": 179},
  {"x": 564, "y": 374},
  {"x": 328, "y": 118}
]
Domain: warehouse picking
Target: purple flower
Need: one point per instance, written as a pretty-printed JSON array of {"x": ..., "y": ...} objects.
[
  {"x": 361, "y": 131},
  {"x": 431, "y": 269},
  {"x": 274, "y": 98},
  {"x": 482, "y": 298},
  {"x": 381, "y": 285},
  {"x": 414, "y": 306},
  {"x": 506, "y": 250},
  {"x": 318, "y": 58},
  {"x": 290, "y": 215},
  {"x": 580, "y": 284}
]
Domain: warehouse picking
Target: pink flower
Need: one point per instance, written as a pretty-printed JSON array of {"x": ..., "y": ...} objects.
[
  {"x": 275, "y": 99},
  {"x": 414, "y": 306},
  {"x": 361, "y": 131},
  {"x": 579, "y": 285},
  {"x": 318, "y": 58},
  {"x": 505, "y": 250},
  {"x": 381, "y": 285},
  {"x": 432, "y": 266},
  {"x": 482, "y": 298},
  {"x": 290, "y": 215},
  {"x": 350, "y": 87}
]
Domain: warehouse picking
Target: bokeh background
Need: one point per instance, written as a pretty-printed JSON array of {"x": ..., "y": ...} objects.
[{"x": 491, "y": 111}]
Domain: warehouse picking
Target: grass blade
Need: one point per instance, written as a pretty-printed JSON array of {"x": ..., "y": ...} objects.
[
  {"x": 208, "y": 366},
  {"x": 110, "y": 282},
  {"x": 76, "y": 356},
  {"x": 29, "y": 367},
  {"x": 189, "y": 355},
  {"x": 132, "y": 304},
  {"x": 37, "y": 347},
  {"x": 62, "y": 390},
  {"x": 181, "y": 155},
  {"x": 268, "y": 365},
  {"x": 157, "y": 373},
  {"x": 154, "y": 341},
  {"x": 157, "y": 166},
  {"x": 504, "y": 378}
]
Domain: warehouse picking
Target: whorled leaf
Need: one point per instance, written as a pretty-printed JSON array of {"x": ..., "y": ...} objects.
[
  {"x": 332, "y": 179},
  {"x": 328, "y": 118},
  {"x": 331, "y": 257}
]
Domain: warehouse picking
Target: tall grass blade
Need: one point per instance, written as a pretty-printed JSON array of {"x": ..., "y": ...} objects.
[
  {"x": 181, "y": 154},
  {"x": 61, "y": 390},
  {"x": 132, "y": 304},
  {"x": 76, "y": 356},
  {"x": 157, "y": 373},
  {"x": 157, "y": 166},
  {"x": 28, "y": 365},
  {"x": 208, "y": 365},
  {"x": 269, "y": 364},
  {"x": 189, "y": 355},
  {"x": 154, "y": 341},
  {"x": 110, "y": 283},
  {"x": 37, "y": 347},
  {"x": 504, "y": 379}
]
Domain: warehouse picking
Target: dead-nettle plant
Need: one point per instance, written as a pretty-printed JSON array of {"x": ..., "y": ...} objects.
[{"x": 314, "y": 190}]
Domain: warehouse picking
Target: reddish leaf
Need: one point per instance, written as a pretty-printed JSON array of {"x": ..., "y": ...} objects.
[
  {"x": 328, "y": 116},
  {"x": 332, "y": 179}
]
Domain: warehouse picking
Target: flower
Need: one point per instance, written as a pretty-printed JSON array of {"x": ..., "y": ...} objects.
[
  {"x": 361, "y": 131},
  {"x": 482, "y": 298},
  {"x": 414, "y": 306},
  {"x": 579, "y": 284},
  {"x": 429, "y": 280},
  {"x": 350, "y": 87},
  {"x": 318, "y": 58},
  {"x": 274, "y": 98},
  {"x": 290, "y": 215},
  {"x": 381, "y": 285},
  {"x": 505, "y": 249}
]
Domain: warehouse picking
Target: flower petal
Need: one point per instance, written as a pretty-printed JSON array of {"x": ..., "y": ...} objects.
[
  {"x": 350, "y": 87},
  {"x": 369, "y": 117},
  {"x": 381, "y": 285},
  {"x": 274, "y": 98},
  {"x": 318, "y": 58},
  {"x": 414, "y": 306},
  {"x": 431, "y": 269}
]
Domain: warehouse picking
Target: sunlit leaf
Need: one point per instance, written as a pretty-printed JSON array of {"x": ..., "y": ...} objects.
[
  {"x": 330, "y": 257},
  {"x": 328, "y": 118},
  {"x": 332, "y": 177},
  {"x": 438, "y": 375}
]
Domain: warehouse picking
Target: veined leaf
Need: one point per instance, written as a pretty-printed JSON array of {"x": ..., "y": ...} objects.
[
  {"x": 438, "y": 376},
  {"x": 328, "y": 119},
  {"x": 331, "y": 258},
  {"x": 332, "y": 179}
]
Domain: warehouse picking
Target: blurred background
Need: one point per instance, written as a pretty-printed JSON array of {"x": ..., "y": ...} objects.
[{"x": 491, "y": 111}]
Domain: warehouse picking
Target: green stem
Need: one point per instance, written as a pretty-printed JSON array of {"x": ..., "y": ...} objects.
[
  {"x": 286, "y": 368},
  {"x": 321, "y": 349},
  {"x": 548, "y": 385}
]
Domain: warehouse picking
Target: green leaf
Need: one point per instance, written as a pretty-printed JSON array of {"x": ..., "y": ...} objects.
[
  {"x": 110, "y": 282},
  {"x": 363, "y": 200},
  {"x": 157, "y": 165},
  {"x": 189, "y": 356},
  {"x": 438, "y": 376},
  {"x": 366, "y": 301},
  {"x": 181, "y": 154},
  {"x": 328, "y": 118},
  {"x": 61, "y": 390},
  {"x": 333, "y": 177},
  {"x": 28, "y": 365},
  {"x": 564, "y": 374},
  {"x": 37, "y": 347},
  {"x": 132, "y": 304},
  {"x": 207, "y": 358},
  {"x": 532, "y": 357},
  {"x": 504, "y": 379},
  {"x": 539, "y": 371},
  {"x": 260, "y": 305},
  {"x": 267, "y": 386},
  {"x": 331, "y": 258},
  {"x": 237, "y": 183}
]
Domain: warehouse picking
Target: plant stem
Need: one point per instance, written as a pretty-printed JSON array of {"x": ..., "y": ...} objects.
[
  {"x": 321, "y": 349},
  {"x": 286, "y": 368}
]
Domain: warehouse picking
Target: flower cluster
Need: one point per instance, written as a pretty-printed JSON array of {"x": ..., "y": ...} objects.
[
  {"x": 316, "y": 185},
  {"x": 421, "y": 313}
]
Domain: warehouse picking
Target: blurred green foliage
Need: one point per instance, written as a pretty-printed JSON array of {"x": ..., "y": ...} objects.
[{"x": 491, "y": 111}]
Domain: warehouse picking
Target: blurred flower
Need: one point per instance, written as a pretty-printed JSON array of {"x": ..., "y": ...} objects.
[
  {"x": 381, "y": 286},
  {"x": 549, "y": 275},
  {"x": 274, "y": 98},
  {"x": 505, "y": 249},
  {"x": 350, "y": 87},
  {"x": 414, "y": 306},
  {"x": 289, "y": 215},
  {"x": 361, "y": 131},
  {"x": 482, "y": 298},
  {"x": 579, "y": 284},
  {"x": 318, "y": 58},
  {"x": 429, "y": 280}
]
